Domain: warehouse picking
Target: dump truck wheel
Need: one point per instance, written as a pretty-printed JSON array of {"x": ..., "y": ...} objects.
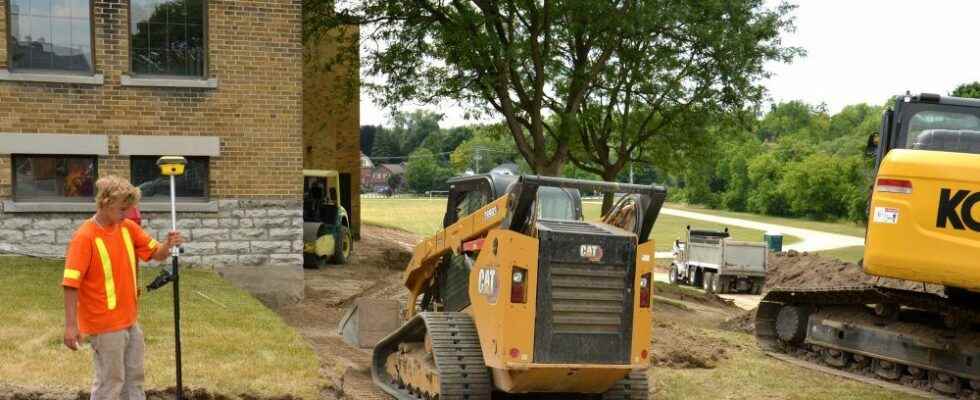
[
  {"x": 345, "y": 248},
  {"x": 708, "y": 281},
  {"x": 673, "y": 274}
]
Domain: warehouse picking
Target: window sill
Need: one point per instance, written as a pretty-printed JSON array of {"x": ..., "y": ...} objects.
[
  {"x": 211, "y": 83},
  {"x": 6, "y": 75},
  {"x": 209, "y": 206},
  {"x": 10, "y": 206}
]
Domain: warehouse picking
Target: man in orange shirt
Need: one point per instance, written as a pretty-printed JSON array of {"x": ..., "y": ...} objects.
[{"x": 101, "y": 289}]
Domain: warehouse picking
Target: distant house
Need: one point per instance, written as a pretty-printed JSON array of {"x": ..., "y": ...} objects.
[
  {"x": 366, "y": 161},
  {"x": 379, "y": 174},
  {"x": 367, "y": 167}
]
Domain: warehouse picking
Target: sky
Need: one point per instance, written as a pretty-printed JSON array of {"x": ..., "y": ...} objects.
[{"x": 858, "y": 51}]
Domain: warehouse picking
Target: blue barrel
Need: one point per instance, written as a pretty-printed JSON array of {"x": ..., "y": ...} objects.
[{"x": 774, "y": 241}]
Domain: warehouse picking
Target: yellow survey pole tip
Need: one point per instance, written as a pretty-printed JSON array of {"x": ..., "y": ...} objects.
[{"x": 171, "y": 165}]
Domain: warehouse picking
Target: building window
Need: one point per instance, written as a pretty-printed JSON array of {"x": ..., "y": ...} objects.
[
  {"x": 50, "y": 35},
  {"x": 192, "y": 185},
  {"x": 167, "y": 37},
  {"x": 54, "y": 178}
]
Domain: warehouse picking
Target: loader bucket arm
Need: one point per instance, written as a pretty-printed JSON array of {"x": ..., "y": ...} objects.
[{"x": 425, "y": 259}]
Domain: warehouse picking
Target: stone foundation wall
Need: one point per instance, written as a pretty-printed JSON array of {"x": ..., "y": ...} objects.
[{"x": 242, "y": 233}]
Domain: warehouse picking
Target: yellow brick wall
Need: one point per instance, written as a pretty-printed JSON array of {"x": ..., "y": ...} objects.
[
  {"x": 331, "y": 119},
  {"x": 254, "y": 51}
]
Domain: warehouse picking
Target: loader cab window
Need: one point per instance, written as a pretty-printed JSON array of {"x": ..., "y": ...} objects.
[
  {"x": 471, "y": 202},
  {"x": 464, "y": 199},
  {"x": 558, "y": 204},
  {"x": 950, "y": 131}
]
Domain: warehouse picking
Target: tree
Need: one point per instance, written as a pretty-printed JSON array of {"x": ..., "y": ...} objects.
[
  {"x": 486, "y": 149},
  {"x": 447, "y": 140},
  {"x": 367, "y": 138},
  {"x": 672, "y": 74},
  {"x": 971, "y": 90},
  {"x": 424, "y": 173},
  {"x": 412, "y": 128},
  {"x": 522, "y": 60}
]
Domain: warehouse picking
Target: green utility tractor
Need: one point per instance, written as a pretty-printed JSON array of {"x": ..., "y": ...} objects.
[{"x": 327, "y": 234}]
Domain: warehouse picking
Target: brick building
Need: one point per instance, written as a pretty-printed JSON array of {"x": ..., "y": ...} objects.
[{"x": 96, "y": 87}]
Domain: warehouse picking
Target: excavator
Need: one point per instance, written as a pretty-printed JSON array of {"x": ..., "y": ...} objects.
[
  {"x": 519, "y": 295},
  {"x": 916, "y": 320}
]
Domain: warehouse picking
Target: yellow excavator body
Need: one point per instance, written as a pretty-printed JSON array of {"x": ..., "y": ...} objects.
[{"x": 921, "y": 224}]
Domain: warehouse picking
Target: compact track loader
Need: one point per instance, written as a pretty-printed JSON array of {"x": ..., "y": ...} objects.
[{"x": 519, "y": 295}]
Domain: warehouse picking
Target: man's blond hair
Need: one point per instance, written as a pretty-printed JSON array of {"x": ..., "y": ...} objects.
[{"x": 112, "y": 188}]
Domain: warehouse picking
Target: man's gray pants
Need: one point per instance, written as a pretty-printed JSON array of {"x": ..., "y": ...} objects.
[{"x": 118, "y": 359}]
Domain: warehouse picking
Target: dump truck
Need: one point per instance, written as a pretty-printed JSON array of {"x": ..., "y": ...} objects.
[
  {"x": 518, "y": 294},
  {"x": 917, "y": 324},
  {"x": 712, "y": 260}
]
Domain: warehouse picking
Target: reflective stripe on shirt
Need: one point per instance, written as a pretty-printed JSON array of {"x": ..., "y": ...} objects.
[
  {"x": 132, "y": 257},
  {"x": 110, "y": 285},
  {"x": 73, "y": 274}
]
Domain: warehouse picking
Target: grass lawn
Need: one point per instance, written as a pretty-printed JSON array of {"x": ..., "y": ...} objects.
[
  {"x": 840, "y": 227},
  {"x": 750, "y": 374},
  {"x": 424, "y": 216},
  {"x": 231, "y": 344}
]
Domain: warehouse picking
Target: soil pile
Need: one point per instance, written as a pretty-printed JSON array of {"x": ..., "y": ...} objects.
[
  {"x": 680, "y": 346},
  {"x": 744, "y": 322},
  {"x": 793, "y": 269}
]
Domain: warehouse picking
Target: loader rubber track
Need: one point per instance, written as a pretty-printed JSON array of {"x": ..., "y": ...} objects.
[
  {"x": 633, "y": 387},
  {"x": 856, "y": 296},
  {"x": 463, "y": 374}
]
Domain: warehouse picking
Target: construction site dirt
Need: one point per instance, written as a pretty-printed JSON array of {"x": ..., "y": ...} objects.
[
  {"x": 375, "y": 272},
  {"x": 804, "y": 270}
]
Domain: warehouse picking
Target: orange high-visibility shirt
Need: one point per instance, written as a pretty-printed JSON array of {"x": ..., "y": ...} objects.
[{"x": 101, "y": 264}]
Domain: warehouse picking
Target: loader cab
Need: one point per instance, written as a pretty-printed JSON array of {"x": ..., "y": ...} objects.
[{"x": 469, "y": 193}]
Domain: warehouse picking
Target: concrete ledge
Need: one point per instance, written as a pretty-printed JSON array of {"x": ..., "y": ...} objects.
[
  {"x": 135, "y": 145},
  {"x": 193, "y": 83},
  {"x": 210, "y": 206},
  {"x": 274, "y": 286},
  {"x": 6, "y": 75},
  {"x": 10, "y": 206},
  {"x": 53, "y": 143}
]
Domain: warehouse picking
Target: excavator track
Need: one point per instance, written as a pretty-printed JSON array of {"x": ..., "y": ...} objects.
[
  {"x": 455, "y": 350},
  {"x": 916, "y": 339}
]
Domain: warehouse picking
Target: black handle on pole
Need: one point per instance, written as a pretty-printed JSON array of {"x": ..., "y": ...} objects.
[{"x": 176, "y": 279}]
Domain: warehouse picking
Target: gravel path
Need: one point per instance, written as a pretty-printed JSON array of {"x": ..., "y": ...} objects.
[{"x": 811, "y": 240}]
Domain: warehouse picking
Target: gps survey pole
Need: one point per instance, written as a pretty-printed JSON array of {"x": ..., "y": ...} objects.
[{"x": 174, "y": 166}]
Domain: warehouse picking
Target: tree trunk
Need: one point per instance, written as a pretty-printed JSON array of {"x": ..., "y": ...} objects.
[{"x": 608, "y": 198}]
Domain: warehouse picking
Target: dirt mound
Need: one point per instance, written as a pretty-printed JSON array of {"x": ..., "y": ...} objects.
[
  {"x": 686, "y": 294},
  {"x": 681, "y": 346},
  {"x": 12, "y": 393},
  {"x": 743, "y": 322},
  {"x": 793, "y": 269}
]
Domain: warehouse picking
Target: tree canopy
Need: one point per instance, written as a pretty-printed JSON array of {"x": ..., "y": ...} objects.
[{"x": 527, "y": 61}]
